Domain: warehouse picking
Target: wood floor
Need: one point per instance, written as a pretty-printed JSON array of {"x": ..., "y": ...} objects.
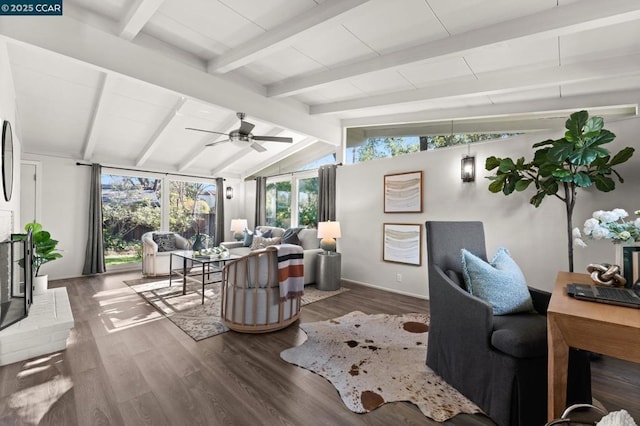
[{"x": 127, "y": 365}]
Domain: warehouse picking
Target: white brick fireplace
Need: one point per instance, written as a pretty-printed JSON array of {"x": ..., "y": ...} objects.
[{"x": 48, "y": 324}]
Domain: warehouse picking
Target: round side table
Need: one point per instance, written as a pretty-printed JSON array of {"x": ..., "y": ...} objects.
[{"x": 328, "y": 271}]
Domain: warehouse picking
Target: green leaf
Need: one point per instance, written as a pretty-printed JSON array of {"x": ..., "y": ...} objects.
[
  {"x": 593, "y": 125},
  {"x": 622, "y": 156},
  {"x": 562, "y": 174},
  {"x": 491, "y": 163},
  {"x": 506, "y": 165},
  {"x": 582, "y": 180},
  {"x": 509, "y": 186},
  {"x": 496, "y": 186},
  {"x": 536, "y": 200},
  {"x": 523, "y": 184},
  {"x": 576, "y": 123},
  {"x": 604, "y": 183},
  {"x": 560, "y": 151},
  {"x": 543, "y": 143},
  {"x": 602, "y": 138},
  {"x": 583, "y": 157}
]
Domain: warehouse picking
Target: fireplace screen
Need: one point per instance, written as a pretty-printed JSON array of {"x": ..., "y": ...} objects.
[{"x": 16, "y": 276}]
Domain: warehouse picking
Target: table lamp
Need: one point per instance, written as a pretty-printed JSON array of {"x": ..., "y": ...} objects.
[
  {"x": 238, "y": 226},
  {"x": 328, "y": 231}
]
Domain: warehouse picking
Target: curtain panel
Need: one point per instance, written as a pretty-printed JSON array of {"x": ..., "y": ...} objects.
[
  {"x": 94, "y": 255},
  {"x": 327, "y": 193},
  {"x": 261, "y": 202},
  {"x": 219, "y": 233}
]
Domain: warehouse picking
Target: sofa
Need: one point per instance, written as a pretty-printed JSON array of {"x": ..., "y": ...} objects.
[
  {"x": 308, "y": 240},
  {"x": 156, "y": 259}
]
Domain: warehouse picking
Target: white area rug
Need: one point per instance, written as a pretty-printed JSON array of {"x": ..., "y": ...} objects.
[
  {"x": 198, "y": 320},
  {"x": 374, "y": 359}
]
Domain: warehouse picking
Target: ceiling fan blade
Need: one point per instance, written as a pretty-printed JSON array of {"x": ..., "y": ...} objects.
[
  {"x": 273, "y": 139},
  {"x": 258, "y": 147},
  {"x": 245, "y": 127},
  {"x": 206, "y": 131},
  {"x": 217, "y": 142}
]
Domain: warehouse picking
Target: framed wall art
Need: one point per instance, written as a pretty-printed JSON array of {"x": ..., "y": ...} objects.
[
  {"x": 402, "y": 243},
  {"x": 403, "y": 193}
]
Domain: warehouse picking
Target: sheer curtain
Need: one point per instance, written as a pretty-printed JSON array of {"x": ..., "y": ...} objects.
[
  {"x": 327, "y": 193},
  {"x": 219, "y": 234},
  {"x": 94, "y": 255},
  {"x": 261, "y": 201}
]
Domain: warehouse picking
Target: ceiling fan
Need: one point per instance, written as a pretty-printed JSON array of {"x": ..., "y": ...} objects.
[{"x": 243, "y": 134}]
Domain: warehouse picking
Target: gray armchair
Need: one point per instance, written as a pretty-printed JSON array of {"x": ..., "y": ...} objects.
[{"x": 498, "y": 362}]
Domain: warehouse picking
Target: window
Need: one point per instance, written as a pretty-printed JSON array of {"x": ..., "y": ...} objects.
[
  {"x": 133, "y": 205},
  {"x": 298, "y": 194},
  {"x": 384, "y": 147},
  {"x": 130, "y": 207},
  {"x": 192, "y": 209},
  {"x": 279, "y": 203}
]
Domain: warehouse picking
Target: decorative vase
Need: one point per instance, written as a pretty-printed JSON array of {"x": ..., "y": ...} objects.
[
  {"x": 198, "y": 243},
  {"x": 40, "y": 284}
]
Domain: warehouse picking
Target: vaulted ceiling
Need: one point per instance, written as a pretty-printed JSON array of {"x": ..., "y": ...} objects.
[{"x": 119, "y": 81}]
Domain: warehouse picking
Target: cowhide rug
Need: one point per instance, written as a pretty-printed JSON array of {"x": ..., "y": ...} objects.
[{"x": 373, "y": 359}]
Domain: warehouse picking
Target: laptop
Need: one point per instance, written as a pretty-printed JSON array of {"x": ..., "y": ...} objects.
[{"x": 612, "y": 295}]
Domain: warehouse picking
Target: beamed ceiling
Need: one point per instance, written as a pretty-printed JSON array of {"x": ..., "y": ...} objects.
[{"x": 118, "y": 81}]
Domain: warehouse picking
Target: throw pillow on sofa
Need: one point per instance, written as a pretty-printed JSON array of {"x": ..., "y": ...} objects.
[
  {"x": 501, "y": 282},
  {"x": 290, "y": 236},
  {"x": 247, "y": 237},
  {"x": 262, "y": 242},
  {"x": 165, "y": 242}
]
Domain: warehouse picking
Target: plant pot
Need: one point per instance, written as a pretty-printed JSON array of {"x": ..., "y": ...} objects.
[{"x": 40, "y": 284}]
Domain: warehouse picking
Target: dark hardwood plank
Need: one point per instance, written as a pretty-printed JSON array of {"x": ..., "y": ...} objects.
[{"x": 126, "y": 364}]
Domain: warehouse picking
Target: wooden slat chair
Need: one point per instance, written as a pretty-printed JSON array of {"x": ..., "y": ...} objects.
[{"x": 251, "y": 294}]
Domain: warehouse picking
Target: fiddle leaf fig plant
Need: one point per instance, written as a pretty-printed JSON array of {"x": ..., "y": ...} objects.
[{"x": 561, "y": 166}]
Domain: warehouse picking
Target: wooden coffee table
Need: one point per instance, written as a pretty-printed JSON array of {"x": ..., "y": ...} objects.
[{"x": 208, "y": 264}]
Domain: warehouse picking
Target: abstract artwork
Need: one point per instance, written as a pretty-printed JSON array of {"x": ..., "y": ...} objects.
[
  {"x": 403, "y": 193},
  {"x": 402, "y": 243}
]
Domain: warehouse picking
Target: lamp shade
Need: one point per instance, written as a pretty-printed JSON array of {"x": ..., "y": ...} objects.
[
  {"x": 329, "y": 230},
  {"x": 238, "y": 225},
  {"x": 468, "y": 169}
]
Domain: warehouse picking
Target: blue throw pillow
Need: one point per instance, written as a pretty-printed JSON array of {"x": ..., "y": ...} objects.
[
  {"x": 501, "y": 282},
  {"x": 247, "y": 237}
]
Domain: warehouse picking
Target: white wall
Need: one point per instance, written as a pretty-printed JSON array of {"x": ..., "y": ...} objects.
[
  {"x": 8, "y": 112},
  {"x": 536, "y": 238}
]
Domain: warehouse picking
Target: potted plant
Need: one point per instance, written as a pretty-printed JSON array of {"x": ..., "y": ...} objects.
[
  {"x": 44, "y": 251},
  {"x": 559, "y": 167}
]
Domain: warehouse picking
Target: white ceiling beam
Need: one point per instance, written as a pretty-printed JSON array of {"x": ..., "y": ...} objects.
[
  {"x": 229, "y": 124},
  {"x": 97, "y": 115},
  {"x": 152, "y": 145},
  {"x": 84, "y": 43},
  {"x": 541, "y": 107},
  {"x": 239, "y": 155},
  {"x": 282, "y": 35},
  {"x": 137, "y": 16},
  {"x": 296, "y": 147},
  {"x": 495, "y": 83},
  {"x": 561, "y": 20}
]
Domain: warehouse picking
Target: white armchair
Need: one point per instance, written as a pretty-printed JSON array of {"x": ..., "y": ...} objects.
[{"x": 156, "y": 261}]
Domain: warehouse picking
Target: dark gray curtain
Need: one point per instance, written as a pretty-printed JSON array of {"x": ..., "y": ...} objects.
[
  {"x": 261, "y": 201},
  {"x": 94, "y": 256},
  {"x": 327, "y": 193},
  {"x": 219, "y": 233}
]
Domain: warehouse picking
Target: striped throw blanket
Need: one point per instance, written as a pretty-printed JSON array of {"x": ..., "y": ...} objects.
[{"x": 290, "y": 271}]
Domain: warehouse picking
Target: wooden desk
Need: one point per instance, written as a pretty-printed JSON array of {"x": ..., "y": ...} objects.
[{"x": 597, "y": 327}]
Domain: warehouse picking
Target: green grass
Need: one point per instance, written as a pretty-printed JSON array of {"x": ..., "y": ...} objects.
[{"x": 122, "y": 259}]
